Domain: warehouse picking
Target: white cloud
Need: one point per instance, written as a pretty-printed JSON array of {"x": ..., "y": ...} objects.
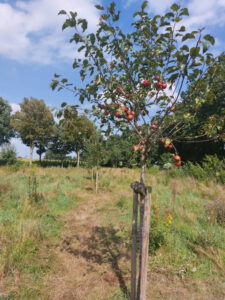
[
  {"x": 31, "y": 30},
  {"x": 15, "y": 107},
  {"x": 160, "y": 6},
  {"x": 206, "y": 13}
]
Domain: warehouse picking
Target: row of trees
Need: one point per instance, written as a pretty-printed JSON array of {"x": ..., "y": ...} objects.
[{"x": 36, "y": 127}]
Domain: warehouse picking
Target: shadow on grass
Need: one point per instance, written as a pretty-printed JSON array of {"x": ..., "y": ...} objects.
[{"x": 104, "y": 246}]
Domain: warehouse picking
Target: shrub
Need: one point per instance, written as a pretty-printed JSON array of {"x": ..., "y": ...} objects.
[{"x": 8, "y": 154}]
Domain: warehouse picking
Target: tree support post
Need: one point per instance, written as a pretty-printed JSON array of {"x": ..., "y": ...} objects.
[
  {"x": 144, "y": 227},
  {"x": 134, "y": 246},
  {"x": 145, "y": 245}
]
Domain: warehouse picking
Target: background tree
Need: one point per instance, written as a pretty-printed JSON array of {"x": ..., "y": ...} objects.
[
  {"x": 59, "y": 147},
  {"x": 77, "y": 131},
  {"x": 34, "y": 123},
  {"x": 6, "y": 131},
  {"x": 127, "y": 74}
]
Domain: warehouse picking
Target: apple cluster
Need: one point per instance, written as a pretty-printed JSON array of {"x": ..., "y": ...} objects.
[
  {"x": 121, "y": 112},
  {"x": 159, "y": 85}
]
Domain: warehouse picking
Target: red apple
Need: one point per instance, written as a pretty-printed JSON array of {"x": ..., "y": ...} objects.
[
  {"x": 124, "y": 108},
  {"x": 135, "y": 147},
  {"x": 177, "y": 163},
  {"x": 162, "y": 140},
  {"x": 154, "y": 127},
  {"x": 143, "y": 142},
  {"x": 103, "y": 120},
  {"x": 117, "y": 114},
  {"x": 157, "y": 77},
  {"x": 140, "y": 148},
  {"x": 130, "y": 117},
  {"x": 177, "y": 157},
  {"x": 165, "y": 146},
  {"x": 146, "y": 82},
  {"x": 127, "y": 95},
  {"x": 106, "y": 113},
  {"x": 170, "y": 146},
  {"x": 102, "y": 106},
  {"x": 164, "y": 85},
  {"x": 133, "y": 113}
]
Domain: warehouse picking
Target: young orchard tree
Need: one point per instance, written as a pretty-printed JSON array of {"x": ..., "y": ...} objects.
[{"x": 127, "y": 75}]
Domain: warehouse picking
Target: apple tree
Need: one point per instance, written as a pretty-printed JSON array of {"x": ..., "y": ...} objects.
[{"x": 138, "y": 80}]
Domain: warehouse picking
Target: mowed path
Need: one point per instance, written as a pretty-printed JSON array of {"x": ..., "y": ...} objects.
[{"x": 91, "y": 260}]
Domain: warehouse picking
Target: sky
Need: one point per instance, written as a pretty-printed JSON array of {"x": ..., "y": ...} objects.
[{"x": 33, "y": 46}]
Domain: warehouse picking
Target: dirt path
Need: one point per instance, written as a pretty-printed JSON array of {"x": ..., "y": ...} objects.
[{"x": 90, "y": 258}]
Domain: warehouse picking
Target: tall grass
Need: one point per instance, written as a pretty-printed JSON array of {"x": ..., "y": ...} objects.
[{"x": 187, "y": 226}]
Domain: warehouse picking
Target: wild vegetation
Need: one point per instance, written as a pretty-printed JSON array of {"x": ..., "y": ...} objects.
[{"x": 61, "y": 240}]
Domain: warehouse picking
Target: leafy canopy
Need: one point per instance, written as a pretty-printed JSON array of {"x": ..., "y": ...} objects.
[{"x": 127, "y": 75}]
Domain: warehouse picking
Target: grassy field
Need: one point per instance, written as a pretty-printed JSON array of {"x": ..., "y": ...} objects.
[{"x": 61, "y": 240}]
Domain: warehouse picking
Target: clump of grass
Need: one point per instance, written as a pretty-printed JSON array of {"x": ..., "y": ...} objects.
[{"x": 216, "y": 211}]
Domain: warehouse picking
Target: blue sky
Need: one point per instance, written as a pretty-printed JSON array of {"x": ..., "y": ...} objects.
[{"x": 33, "y": 46}]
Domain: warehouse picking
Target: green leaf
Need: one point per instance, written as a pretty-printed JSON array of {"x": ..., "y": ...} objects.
[
  {"x": 56, "y": 75},
  {"x": 81, "y": 48},
  {"x": 92, "y": 38},
  {"x": 144, "y": 5},
  {"x": 185, "y": 48},
  {"x": 73, "y": 14},
  {"x": 182, "y": 29},
  {"x": 99, "y": 7},
  {"x": 205, "y": 46},
  {"x": 63, "y": 104},
  {"x": 169, "y": 15},
  {"x": 81, "y": 99},
  {"x": 188, "y": 36},
  {"x": 84, "y": 25},
  {"x": 209, "y": 38},
  {"x": 62, "y": 12},
  {"x": 184, "y": 12},
  {"x": 175, "y": 7},
  {"x": 112, "y": 7},
  {"x": 194, "y": 52}
]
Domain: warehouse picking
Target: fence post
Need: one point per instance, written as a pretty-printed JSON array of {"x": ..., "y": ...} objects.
[
  {"x": 145, "y": 245},
  {"x": 134, "y": 246}
]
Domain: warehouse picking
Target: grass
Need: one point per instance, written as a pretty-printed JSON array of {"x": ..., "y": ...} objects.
[{"x": 54, "y": 227}]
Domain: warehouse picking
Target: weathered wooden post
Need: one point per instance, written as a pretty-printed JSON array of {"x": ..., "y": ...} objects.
[
  {"x": 144, "y": 227},
  {"x": 134, "y": 246},
  {"x": 145, "y": 245}
]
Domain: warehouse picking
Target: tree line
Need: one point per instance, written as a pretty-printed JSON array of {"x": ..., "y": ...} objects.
[{"x": 36, "y": 126}]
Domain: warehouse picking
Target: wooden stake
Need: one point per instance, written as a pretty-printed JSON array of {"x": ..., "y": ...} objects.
[
  {"x": 145, "y": 245},
  {"x": 96, "y": 181},
  {"x": 134, "y": 247}
]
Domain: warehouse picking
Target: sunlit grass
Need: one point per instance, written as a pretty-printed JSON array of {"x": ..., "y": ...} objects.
[{"x": 183, "y": 239}]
